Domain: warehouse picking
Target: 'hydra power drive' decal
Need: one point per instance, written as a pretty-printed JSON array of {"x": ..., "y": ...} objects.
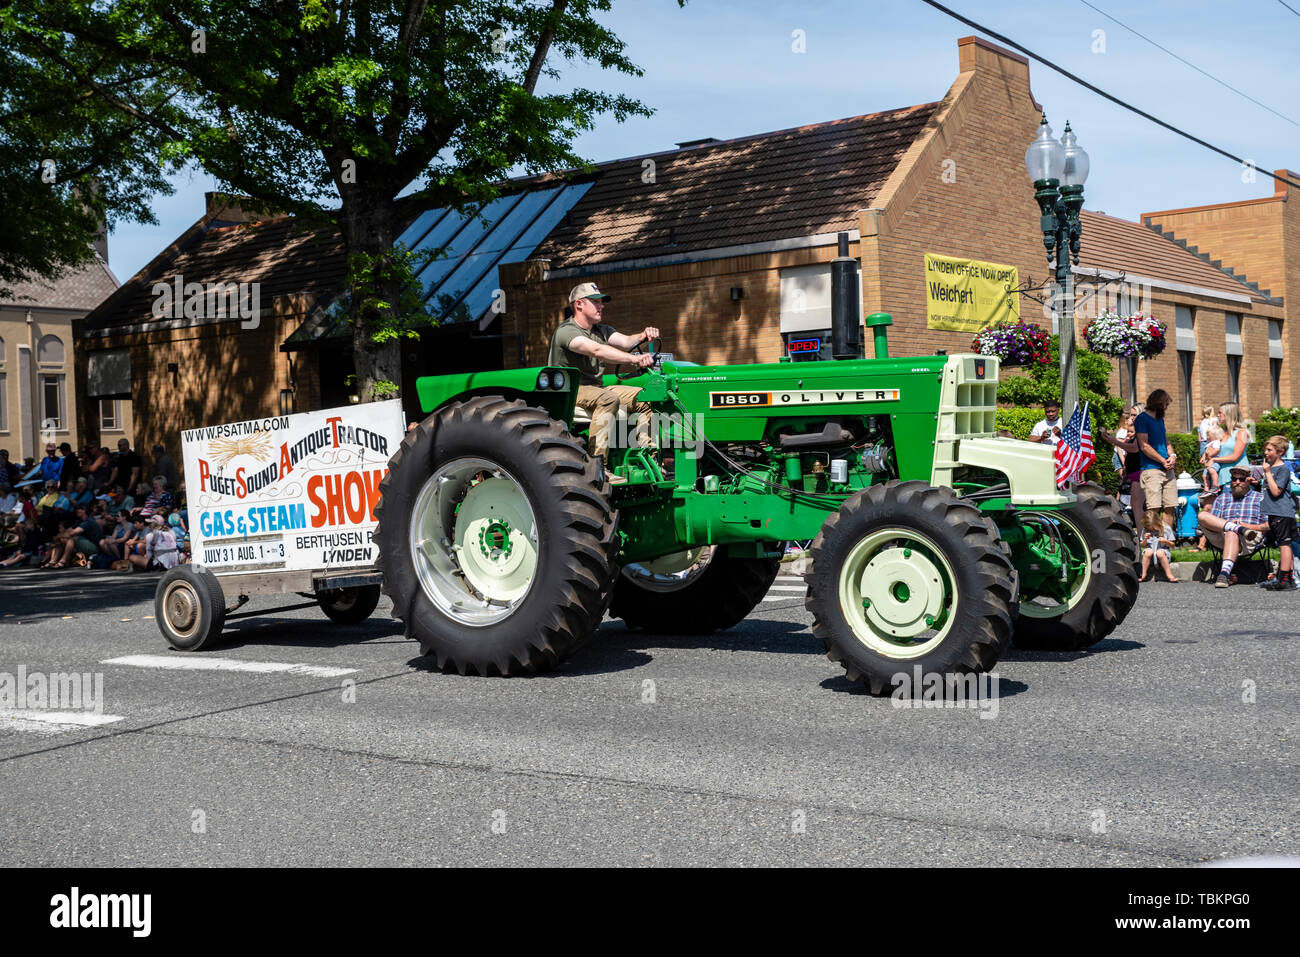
[{"x": 750, "y": 400}]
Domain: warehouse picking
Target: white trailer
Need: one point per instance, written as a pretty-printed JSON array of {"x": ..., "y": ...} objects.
[{"x": 283, "y": 505}]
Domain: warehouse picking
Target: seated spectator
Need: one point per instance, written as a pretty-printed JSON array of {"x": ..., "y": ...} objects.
[
  {"x": 160, "y": 550},
  {"x": 118, "y": 529},
  {"x": 10, "y": 507},
  {"x": 9, "y": 472},
  {"x": 134, "y": 543},
  {"x": 181, "y": 533},
  {"x": 158, "y": 499},
  {"x": 29, "y": 545},
  {"x": 117, "y": 502},
  {"x": 77, "y": 540},
  {"x": 51, "y": 508},
  {"x": 1234, "y": 523},
  {"x": 1156, "y": 550},
  {"x": 81, "y": 493}
]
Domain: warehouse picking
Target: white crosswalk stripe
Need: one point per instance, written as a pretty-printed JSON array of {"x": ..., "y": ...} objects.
[
  {"x": 36, "y": 721},
  {"x": 787, "y": 588},
  {"x": 195, "y": 663}
]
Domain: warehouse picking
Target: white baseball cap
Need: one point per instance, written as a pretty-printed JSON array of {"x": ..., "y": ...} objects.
[{"x": 586, "y": 290}]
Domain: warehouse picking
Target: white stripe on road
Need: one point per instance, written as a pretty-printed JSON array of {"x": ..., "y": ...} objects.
[
  {"x": 189, "y": 663},
  {"x": 782, "y": 598},
  {"x": 788, "y": 588},
  {"x": 52, "y": 722},
  {"x": 789, "y": 578}
]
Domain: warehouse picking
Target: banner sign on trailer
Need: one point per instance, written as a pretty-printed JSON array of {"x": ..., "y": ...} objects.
[{"x": 289, "y": 492}]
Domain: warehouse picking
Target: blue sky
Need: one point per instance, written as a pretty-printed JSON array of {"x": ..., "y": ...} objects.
[{"x": 727, "y": 69}]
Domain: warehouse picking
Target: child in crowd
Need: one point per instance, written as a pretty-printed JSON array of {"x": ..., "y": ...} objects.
[
  {"x": 1156, "y": 551},
  {"x": 1210, "y": 478},
  {"x": 1279, "y": 507}
]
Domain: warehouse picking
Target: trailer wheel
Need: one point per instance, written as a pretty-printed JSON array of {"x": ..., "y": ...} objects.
[
  {"x": 1105, "y": 586},
  {"x": 712, "y": 592},
  {"x": 349, "y": 606},
  {"x": 907, "y": 576},
  {"x": 496, "y": 538},
  {"x": 190, "y": 607}
]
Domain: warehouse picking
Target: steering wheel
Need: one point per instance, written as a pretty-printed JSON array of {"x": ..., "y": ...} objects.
[{"x": 637, "y": 351}]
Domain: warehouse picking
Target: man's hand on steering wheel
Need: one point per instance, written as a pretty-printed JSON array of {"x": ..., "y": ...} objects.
[{"x": 649, "y": 332}]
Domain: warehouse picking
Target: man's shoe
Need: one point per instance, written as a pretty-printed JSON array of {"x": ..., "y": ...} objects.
[
  {"x": 1277, "y": 584},
  {"x": 1222, "y": 581}
]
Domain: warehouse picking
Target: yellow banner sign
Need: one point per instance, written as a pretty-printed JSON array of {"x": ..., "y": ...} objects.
[{"x": 966, "y": 295}]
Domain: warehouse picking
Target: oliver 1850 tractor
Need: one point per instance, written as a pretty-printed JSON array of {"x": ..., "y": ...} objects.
[{"x": 503, "y": 543}]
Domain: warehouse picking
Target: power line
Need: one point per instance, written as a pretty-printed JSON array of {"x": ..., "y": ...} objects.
[
  {"x": 1291, "y": 8},
  {"x": 1102, "y": 93},
  {"x": 1191, "y": 64}
]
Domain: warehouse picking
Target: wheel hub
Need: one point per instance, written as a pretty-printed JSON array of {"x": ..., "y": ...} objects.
[
  {"x": 901, "y": 595},
  {"x": 182, "y": 608}
]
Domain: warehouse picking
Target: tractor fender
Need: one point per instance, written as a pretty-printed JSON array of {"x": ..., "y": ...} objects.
[{"x": 1029, "y": 467}]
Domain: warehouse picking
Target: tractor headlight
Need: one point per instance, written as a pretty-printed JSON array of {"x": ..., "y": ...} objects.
[
  {"x": 543, "y": 381},
  {"x": 557, "y": 380}
]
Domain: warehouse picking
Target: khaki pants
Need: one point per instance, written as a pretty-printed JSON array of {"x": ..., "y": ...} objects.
[{"x": 604, "y": 404}]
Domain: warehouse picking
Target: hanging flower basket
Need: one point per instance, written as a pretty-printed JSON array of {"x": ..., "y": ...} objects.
[
  {"x": 1015, "y": 343},
  {"x": 1120, "y": 337}
]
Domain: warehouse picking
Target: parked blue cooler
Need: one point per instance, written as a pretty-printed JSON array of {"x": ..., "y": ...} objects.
[{"x": 1189, "y": 491}]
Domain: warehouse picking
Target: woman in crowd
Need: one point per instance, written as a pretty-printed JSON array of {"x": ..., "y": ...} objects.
[
  {"x": 1124, "y": 440},
  {"x": 1232, "y": 448}
]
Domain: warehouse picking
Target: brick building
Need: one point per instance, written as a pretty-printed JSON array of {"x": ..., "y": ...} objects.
[{"x": 726, "y": 246}]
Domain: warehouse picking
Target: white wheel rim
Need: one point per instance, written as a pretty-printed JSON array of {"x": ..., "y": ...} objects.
[
  {"x": 474, "y": 541},
  {"x": 898, "y": 593}
]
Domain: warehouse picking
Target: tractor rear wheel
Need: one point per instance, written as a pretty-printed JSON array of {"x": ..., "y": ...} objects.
[
  {"x": 711, "y": 591},
  {"x": 1102, "y": 543},
  {"x": 908, "y": 576},
  {"x": 496, "y": 538}
]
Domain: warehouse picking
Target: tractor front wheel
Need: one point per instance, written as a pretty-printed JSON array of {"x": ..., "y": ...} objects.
[
  {"x": 496, "y": 538},
  {"x": 695, "y": 592},
  {"x": 906, "y": 575}
]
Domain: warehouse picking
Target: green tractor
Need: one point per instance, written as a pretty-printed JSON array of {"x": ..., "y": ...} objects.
[{"x": 935, "y": 543}]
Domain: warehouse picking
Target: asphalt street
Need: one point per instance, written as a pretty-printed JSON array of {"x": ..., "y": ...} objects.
[{"x": 1171, "y": 743}]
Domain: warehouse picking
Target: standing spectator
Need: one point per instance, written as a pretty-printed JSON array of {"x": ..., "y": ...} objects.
[
  {"x": 160, "y": 498},
  {"x": 99, "y": 466},
  {"x": 1048, "y": 429},
  {"x": 71, "y": 467},
  {"x": 1159, "y": 485},
  {"x": 128, "y": 467},
  {"x": 162, "y": 465},
  {"x": 1234, "y": 523},
  {"x": 160, "y": 550},
  {"x": 1279, "y": 507},
  {"x": 9, "y": 472},
  {"x": 1232, "y": 451},
  {"x": 52, "y": 465},
  {"x": 1125, "y": 439},
  {"x": 1208, "y": 421}
]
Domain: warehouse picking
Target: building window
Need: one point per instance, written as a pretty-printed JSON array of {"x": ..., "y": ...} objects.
[
  {"x": 4, "y": 408},
  {"x": 110, "y": 415},
  {"x": 1275, "y": 368},
  {"x": 49, "y": 351},
  {"x": 1234, "y": 375},
  {"x": 52, "y": 407},
  {"x": 1185, "y": 361}
]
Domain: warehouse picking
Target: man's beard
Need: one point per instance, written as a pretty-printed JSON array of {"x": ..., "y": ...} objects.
[{"x": 1239, "y": 491}]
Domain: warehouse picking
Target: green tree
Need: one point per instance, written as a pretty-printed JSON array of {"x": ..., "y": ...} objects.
[{"x": 331, "y": 109}]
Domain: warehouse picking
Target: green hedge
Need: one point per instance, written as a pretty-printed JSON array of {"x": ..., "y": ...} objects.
[{"x": 1278, "y": 422}]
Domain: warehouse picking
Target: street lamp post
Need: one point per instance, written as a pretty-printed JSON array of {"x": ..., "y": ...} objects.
[{"x": 1059, "y": 170}]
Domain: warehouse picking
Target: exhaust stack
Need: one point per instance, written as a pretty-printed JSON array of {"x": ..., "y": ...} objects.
[{"x": 845, "y": 300}]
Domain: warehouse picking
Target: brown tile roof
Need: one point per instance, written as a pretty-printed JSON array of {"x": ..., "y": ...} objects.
[
  {"x": 1117, "y": 244},
  {"x": 83, "y": 288},
  {"x": 791, "y": 183},
  {"x": 285, "y": 260}
]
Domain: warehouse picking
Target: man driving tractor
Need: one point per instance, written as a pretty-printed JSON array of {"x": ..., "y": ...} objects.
[{"x": 585, "y": 343}]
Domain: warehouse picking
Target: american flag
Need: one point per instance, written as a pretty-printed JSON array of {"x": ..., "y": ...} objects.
[{"x": 1074, "y": 452}]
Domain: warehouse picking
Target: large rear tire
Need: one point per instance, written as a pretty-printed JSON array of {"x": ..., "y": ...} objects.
[
  {"x": 714, "y": 593},
  {"x": 496, "y": 538},
  {"x": 1103, "y": 595},
  {"x": 908, "y": 576}
]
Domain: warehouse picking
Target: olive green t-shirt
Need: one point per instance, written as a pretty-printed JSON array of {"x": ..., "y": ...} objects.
[{"x": 590, "y": 368}]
